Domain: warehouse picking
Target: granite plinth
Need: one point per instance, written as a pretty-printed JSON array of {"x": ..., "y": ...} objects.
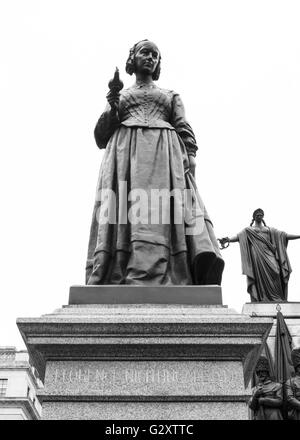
[
  {"x": 143, "y": 379},
  {"x": 71, "y": 410},
  {"x": 114, "y": 294},
  {"x": 143, "y": 361},
  {"x": 270, "y": 309}
]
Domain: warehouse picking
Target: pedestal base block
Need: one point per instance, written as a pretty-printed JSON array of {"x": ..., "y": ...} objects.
[
  {"x": 145, "y": 411},
  {"x": 145, "y": 361}
]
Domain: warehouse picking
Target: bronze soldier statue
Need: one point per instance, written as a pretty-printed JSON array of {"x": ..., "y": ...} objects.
[
  {"x": 266, "y": 401},
  {"x": 293, "y": 388}
]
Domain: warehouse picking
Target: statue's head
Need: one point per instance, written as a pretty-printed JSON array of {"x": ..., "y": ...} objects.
[
  {"x": 258, "y": 215},
  {"x": 139, "y": 58},
  {"x": 295, "y": 355},
  {"x": 262, "y": 368}
]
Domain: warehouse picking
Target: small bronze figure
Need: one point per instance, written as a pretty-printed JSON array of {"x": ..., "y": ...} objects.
[
  {"x": 264, "y": 259},
  {"x": 266, "y": 400},
  {"x": 293, "y": 388}
]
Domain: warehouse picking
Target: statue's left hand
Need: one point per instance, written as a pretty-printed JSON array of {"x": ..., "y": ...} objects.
[{"x": 192, "y": 165}]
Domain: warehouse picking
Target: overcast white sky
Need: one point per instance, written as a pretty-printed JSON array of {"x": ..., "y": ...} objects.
[{"x": 236, "y": 65}]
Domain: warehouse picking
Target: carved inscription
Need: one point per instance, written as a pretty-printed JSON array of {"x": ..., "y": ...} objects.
[{"x": 129, "y": 377}]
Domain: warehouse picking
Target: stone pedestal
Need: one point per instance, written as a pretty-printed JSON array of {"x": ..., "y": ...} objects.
[{"x": 158, "y": 361}]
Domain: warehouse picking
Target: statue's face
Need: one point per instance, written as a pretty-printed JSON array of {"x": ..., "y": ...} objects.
[
  {"x": 259, "y": 216},
  {"x": 146, "y": 58},
  {"x": 262, "y": 375}
]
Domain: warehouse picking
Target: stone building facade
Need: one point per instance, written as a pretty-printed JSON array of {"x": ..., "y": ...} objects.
[{"x": 19, "y": 384}]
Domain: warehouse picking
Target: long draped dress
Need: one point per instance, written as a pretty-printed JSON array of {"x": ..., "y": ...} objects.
[
  {"x": 265, "y": 263},
  {"x": 147, "y": 144}
]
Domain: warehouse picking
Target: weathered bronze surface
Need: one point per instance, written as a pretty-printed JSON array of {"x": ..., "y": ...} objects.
[
  {"x": 292, "y": 388},
  {"x": 264, "y": 259},
  {"x": 266, "y": 400},
  {"x": 149, "y": 146}
]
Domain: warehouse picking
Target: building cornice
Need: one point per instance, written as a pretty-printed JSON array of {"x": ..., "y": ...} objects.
[
  {"x": 25, "y": 368},
  {"x": 26, "y": 404}
]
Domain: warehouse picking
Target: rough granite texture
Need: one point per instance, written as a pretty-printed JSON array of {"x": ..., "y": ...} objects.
[
  {"x": 145, "y": 411},
  {"x": 145, "y": 361},
  {"x": 152, "y": 378}
]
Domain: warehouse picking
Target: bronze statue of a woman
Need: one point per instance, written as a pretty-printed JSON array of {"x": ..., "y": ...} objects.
[
  {"x": 149, "y": 150},
  {"x": 264, "y": 259}
]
